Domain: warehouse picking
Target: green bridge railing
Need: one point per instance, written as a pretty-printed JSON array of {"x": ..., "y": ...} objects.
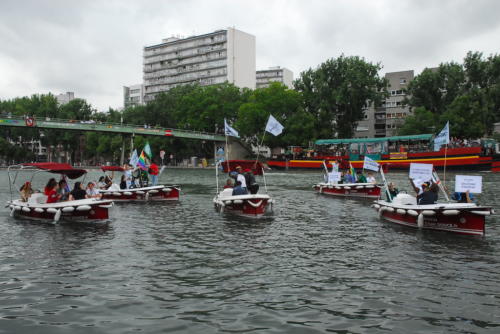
[{"x": 79, "y": 125}]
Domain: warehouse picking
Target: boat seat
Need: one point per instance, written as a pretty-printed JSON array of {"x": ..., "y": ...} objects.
[
  {"x": 37, "y": 198},
  {"x": 226, "y": 192}
]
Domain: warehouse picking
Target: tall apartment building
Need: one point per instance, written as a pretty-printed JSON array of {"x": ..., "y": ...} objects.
[
  {"x": 133, "y": 95},
  {"x": 217, "y": 57},
  {"x": 384, "y": 121},
  {"x": 65, "y": 97},
  {"x": 274, "y": 74}
]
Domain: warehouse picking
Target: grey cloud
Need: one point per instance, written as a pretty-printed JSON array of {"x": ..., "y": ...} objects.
[{"x": 95, "y": 47}]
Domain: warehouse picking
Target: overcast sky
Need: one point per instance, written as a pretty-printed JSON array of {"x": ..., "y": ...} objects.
[{"x": 94, "y": 48}]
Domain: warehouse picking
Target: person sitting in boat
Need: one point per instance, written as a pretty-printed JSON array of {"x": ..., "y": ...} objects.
[
  {"x": 253, "y": 187},
  {"x": 92, "y": 191},
  {"x": 51, "y": 191},
  {"x": 361, "y": 178},
  {"x": 392, "y": 191},
  {"x": 153, "y": 171},
  {"x": 229, "y": 184},
  {"x": 240, "y": 177},
  {"x": 52, "y": 183},
  {"x": 101, "y": 184},
  {"x": 465, "y": 197},
  {"x": 26, "y": 191},
  {"x": 63, "y": 190},
  {"x": 108, "y": 182},
  {"x": 370, "y": 178},
  {"x": 238, "y": 189},
  {"x": 348, "y": 177},
  {"x": 123, "y": 182},
  {"x": 428, "y": 195},
  {"x": 77, "y": 193}
]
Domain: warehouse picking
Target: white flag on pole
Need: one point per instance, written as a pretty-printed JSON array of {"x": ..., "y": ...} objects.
[
  {"x": 273, "y": 126},
  {"x": 370, "y": 164},
  {"x": 134, "y": 159},
  {"x": 443, "y": 137},
  {"x": 229, "y": 131}
]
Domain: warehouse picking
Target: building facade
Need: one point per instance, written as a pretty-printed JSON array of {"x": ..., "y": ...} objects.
[
  {"x": 65, "y": 97},
  {"x": 133, "y": 95},
  {"x": 274, "y": 74},
  {"x": 217, "y": 57},
  {"x": 385, "y": 120}
]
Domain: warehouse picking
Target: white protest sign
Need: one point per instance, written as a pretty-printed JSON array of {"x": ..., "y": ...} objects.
[
  {"x": 466, "y": 182},
  {"x": 333, "y": 177},
  {"x": 370, "y": 164},
  {"x": 421, "y": 172}
]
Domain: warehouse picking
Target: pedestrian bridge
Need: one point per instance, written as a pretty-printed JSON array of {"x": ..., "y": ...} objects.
[{"x": 127, "y": 129}]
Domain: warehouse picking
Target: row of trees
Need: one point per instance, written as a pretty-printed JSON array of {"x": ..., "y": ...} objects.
[
  {"x": 467, "y": 95},
  {"x": 327, "y": 101}
]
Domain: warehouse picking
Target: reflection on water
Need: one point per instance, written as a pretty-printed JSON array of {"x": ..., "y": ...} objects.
[{"x": 318, "y": 264}]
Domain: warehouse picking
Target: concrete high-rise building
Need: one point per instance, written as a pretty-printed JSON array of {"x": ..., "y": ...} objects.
[
  {"x": 274, "y": 74},
  {"x": 384, "y": 120},
  {"x": 217, "y": 57},
  {"x": 65, "y": 97},
  {"x": 133, "y": 95}
]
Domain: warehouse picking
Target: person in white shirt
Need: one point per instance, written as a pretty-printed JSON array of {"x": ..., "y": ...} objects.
[
  {"x": 240, "y": 177},
  {"x": 92, "y": 191},
  {"x": 370, "y": 178}
]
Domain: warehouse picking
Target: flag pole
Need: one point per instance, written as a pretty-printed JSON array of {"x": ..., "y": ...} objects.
[
  {"x": 227, "y": 152},
  {"x": 444, "y": 169},
  {"x": 258, "y": 148}
]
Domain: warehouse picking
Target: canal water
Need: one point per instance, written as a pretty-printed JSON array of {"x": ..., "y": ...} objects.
[{"x": 319, "y": 264}]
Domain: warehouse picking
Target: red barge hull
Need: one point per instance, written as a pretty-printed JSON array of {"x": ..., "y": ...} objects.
[{"x": 456, "y": 158}]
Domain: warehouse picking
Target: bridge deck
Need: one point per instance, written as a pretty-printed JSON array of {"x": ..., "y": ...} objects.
[{"x": 77, "y": 125}]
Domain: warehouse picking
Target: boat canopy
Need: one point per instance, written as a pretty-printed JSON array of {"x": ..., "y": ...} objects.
[
  {"x": 58, "y": 168},
  {"x": 254, "y": 166},
  {"x": 112, "y": 168},
  {"x": 372, "y": 140}
]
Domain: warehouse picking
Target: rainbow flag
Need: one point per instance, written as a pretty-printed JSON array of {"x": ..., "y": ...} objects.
[
  {"x": 143, "y": 161},
  {"x": 353, "y": 172}
]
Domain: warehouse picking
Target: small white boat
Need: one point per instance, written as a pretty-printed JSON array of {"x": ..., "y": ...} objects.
[{"x": 36, "y": 208}]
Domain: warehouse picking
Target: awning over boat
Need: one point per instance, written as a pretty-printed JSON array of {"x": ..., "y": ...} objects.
[
  {"x": 255, "y": 167},
  {"x": 112, "y": 168},
  {"x": 372, "y": 140},
  {"x": 58, "y": 168}
]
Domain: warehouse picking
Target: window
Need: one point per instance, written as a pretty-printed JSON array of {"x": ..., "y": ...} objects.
[{"x": 402, "y": 81}]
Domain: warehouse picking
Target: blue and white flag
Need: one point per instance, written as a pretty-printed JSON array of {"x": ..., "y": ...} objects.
[
  {"x": 370, "y": 164},
  {"x": 134, "y": 159},
  {"x": 443, "y": 137},
  {"x": 229, "y": 131},
  {"x": 273, "y": 126}
]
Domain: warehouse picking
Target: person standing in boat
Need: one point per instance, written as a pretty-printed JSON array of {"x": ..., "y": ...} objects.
[
  {"x": 241, "y": 178},
  {"x": 153, "y": 171},
  {"x": 252, "y": 186},
  {"x": 127, "y": 171}
]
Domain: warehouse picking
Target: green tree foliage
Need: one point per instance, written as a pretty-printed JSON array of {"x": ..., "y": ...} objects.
[
  {"x": 422, "y": 121},
  {"x": 336, "y": 92},
  {"x": 467, "y": 95},
  {"x": 286, "y": 106}
]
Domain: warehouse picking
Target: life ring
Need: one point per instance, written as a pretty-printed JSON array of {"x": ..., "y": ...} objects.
[{"x": 29, "y": 121}]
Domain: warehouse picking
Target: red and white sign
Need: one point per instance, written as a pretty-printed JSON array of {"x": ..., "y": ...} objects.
[{"x": 168, "y": 133}]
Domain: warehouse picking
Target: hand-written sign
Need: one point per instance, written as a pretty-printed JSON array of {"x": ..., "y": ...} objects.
[
  {"x": 469, "y": 183},
  {"x": 421, "y": 172},
  {"x": 333, "y": 177}
]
